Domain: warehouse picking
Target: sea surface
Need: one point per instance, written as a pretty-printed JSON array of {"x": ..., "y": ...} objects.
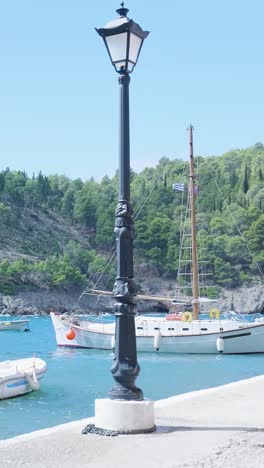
[{"x": 76, "y": 377}]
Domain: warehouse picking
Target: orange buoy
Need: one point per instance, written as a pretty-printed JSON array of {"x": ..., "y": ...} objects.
[{"x": 70, "y": 335}]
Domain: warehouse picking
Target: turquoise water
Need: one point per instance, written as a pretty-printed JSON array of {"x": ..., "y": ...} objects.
[{"x": 76, "y": 377}]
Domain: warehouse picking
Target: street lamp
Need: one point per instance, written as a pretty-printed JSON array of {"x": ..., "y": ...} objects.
[{"x": 123, "y": 39}]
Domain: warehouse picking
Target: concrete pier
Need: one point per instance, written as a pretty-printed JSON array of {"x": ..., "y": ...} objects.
[{"x": 222, "y": 427}]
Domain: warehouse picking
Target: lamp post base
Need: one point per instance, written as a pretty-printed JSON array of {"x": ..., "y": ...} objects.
[{"x": 125, "y": 417}]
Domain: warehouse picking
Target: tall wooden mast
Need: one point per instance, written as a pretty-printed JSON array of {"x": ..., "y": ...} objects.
[{"x": 195, "y": 280}]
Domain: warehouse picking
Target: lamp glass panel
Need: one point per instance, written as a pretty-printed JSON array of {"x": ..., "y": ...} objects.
[
  {"x": 134, "y": 48},
  {"x": 117, "y": 46},
  {"x": 119, "y": 65},
  {"x": 130, "y": 66}
]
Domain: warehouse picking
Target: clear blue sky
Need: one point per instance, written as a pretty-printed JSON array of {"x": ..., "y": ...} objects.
[{"x": 59, "y": 97}]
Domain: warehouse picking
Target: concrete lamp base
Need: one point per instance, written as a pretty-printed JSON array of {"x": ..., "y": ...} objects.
[{"x": 125, "y": 417}]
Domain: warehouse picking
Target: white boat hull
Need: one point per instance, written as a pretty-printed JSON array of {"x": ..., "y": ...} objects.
[
  {"x": 164, "y": 336},
  {"x": 20, "y": 376},
  {"x": 14, "y": 325}
]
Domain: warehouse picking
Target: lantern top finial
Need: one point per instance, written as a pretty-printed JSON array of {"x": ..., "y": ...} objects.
[{"x": 122, "y": 11}]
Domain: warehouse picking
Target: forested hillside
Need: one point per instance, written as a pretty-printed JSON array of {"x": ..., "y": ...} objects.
[{"x": 56, "y": 232}]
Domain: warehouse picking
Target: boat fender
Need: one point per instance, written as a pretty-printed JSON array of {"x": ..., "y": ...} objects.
[
  {"x": 70, "y": 335},
  {"x": 157, "y": 340},
  {"x": 33, "y": 381},
  {"x": 220, "y": 345},
  {"x": 113, "y": 342}
]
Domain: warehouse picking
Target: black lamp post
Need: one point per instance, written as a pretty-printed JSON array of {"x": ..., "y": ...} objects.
[{"x": 123, "y": 39}]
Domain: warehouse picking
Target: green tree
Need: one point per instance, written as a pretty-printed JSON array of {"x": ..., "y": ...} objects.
[
  {"x": 226, "y": 275},
  {"x": 245, "y": 181},
  {"x": 60, "y": 272}
]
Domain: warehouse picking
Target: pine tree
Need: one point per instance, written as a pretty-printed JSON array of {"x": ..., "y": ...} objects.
[{"x": 245, "y": 181}]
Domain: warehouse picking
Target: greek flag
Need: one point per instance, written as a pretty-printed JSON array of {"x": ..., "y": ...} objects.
[{"x": 179, "y": 187}]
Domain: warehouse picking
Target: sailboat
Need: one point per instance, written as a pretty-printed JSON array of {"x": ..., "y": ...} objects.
[{"x": 185, "y": 333}]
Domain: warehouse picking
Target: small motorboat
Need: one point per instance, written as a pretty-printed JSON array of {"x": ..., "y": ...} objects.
[
  {"x": 19, "y": 376},
  {"x": 21, "y": 325}
]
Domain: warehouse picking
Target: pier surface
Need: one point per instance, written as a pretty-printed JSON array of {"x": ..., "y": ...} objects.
[{"x": 214, "y": 428}]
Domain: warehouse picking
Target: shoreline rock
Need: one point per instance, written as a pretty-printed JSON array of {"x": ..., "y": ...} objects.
[{"x": 42, "y": 302}]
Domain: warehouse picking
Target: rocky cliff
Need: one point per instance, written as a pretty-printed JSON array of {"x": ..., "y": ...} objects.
[{"x": 245, "y": 300}]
